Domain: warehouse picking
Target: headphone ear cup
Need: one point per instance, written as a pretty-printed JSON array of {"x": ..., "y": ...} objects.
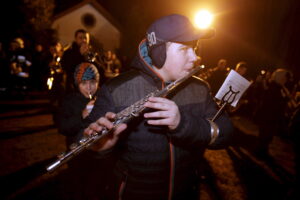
[{"x": 158, "y": 55}]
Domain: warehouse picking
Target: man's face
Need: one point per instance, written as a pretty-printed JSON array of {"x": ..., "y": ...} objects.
[
  {"x": 82, "y": 38},
  {"x": 222, "y": 64},
  {"x": 180, "y": 60},
  {"x": 242, "y": 71}
]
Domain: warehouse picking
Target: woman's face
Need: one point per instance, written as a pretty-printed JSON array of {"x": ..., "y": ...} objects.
[{"x": 88, "y": 88}]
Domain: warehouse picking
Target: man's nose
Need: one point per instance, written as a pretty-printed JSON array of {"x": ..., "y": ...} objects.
[{"x": 193, "y": 55}]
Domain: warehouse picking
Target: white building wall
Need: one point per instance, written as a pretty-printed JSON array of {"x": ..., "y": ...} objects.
[{"x": 103, "y": 30}]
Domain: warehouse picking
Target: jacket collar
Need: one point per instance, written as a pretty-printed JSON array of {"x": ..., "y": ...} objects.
[{"x": 143, "y": 63}]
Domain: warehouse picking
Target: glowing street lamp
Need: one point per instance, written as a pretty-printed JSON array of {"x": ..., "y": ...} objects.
[{"x": 203, "y": 19}]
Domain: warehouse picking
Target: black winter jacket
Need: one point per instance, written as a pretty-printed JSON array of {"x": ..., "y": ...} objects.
[
  {"x": 68, "y": 116},
  {"x": 70, "y": 59},
  {"x": 155, "y": 162}
]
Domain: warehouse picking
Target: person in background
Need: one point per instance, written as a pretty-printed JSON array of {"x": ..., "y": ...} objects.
[
  {"x": 69, "y": 117},
  {"x": 73, "y": 108},
  {"x": 38, "y": 70},
  {"x": 75, "y": 55},
  {"x": 241, "y": 68},
  {"x": 217, "y": 76},
  {"x": 80, "y": 51},
  {"x": 19, "y": 63},
  {"x": 258, "y": 88},
  {"x": 54, "y": 78},
  {"x": 158, "y": 153},
  {"x": 242, "y": 107},
  {"x": 270, "y": 116},
  {"x": 117, "y": 65},
  {"x": 112, "y": 64}
]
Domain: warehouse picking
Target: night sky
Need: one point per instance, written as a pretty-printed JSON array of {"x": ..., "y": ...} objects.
[{"x": 264, "y": 33}]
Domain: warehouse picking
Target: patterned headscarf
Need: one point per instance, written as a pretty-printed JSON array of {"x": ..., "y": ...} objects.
[{"x": 85, "y": 71}]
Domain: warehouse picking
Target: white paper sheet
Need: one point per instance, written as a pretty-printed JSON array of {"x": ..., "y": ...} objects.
[{"x": 238, "y": 85}]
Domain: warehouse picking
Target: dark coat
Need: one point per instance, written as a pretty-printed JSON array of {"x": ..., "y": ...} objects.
[
  {"x": 154, "y": 161},
  {"x": 83, "y": 169},
  {"x": 68, "y": 116},
  {"x": 71, "y": 58},
  {"x": 216, "y": 80}
]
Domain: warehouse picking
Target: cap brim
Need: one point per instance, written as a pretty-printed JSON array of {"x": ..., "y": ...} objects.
[{"x": 196, "y": 35}]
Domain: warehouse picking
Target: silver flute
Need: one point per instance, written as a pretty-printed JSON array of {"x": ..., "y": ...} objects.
[{"x": 122, "y": 117}]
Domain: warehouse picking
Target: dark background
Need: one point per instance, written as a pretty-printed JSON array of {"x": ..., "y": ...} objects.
[{"x": 264, "y": 33}]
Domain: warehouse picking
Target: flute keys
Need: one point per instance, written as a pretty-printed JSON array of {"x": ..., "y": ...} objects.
[
  {"x": 73, "y": 146},
  {"x": 61, "y": 155},
  {"x": 82, "y": 140}
]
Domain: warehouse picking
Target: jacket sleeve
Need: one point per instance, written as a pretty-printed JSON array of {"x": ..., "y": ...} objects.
[
  {"x": 194, "y": 130},
  {"x": 103, "y": 104},
  {"x": 68, "y": 118}
]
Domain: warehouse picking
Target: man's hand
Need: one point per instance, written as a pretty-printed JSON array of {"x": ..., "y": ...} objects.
[
  {"x": 109, "y": 140},
  {"x": 167, "y": 112}
]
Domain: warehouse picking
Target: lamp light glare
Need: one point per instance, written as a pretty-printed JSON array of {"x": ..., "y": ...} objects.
[{"x": 203, "y": 19}]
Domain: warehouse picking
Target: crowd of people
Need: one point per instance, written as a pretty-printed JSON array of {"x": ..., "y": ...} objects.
[
  {"x": 271, "y": 101},
  {"x": 157, "y": 155},
  {"x": 51, "y": 67}
]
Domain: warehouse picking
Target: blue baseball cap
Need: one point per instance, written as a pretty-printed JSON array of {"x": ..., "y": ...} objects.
[
  {"x": 172, "y": 28},
  {"x": 175, "y": 28}
]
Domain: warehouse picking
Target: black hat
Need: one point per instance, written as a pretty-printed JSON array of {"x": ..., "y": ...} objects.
[{"x": 172, "y": 28}]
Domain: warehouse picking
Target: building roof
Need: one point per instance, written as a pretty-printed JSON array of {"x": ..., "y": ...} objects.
[{"x": 74, "y": 5}]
